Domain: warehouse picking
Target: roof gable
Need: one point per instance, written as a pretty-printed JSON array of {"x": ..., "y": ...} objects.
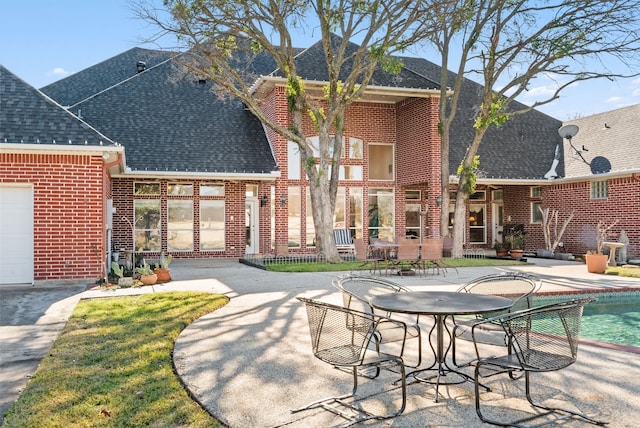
[{"x": 27, "y": 116}]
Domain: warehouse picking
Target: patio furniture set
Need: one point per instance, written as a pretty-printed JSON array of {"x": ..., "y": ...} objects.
[
  {"x": 495, "y": 313},
  {"x": 406, "y": 256}
]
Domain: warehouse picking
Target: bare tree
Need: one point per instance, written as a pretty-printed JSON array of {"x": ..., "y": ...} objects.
[
  {"x": 508, "y": 44},
  {"x": 219, "y": 32}
]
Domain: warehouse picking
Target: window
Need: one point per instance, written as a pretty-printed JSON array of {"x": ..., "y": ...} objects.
[
  {"x": 477, "y": 224},
  {"x": 211, "y": 190},
  {"x": 381, "y": 166},
  {"x": 350, "y": 172},
  {"x": 314, "y": 142},
  {"x": 412, "y": 195},
  {"x": 146, "y": 188},
  {"x": 212, "y": 225},
  {"x": 381, "y": 214},
  {"x": 179, "y": 225},
  {"x": 497, "y": 195},
  {"x": 294, "y": 216},
  {"x": 599, "y": 190},
  {"x": 355, "y": 148},
  {"x": 179, "y": 189},
  {"x": 355, "y": 211},
  {"x": 147, "y": 224},
  {"x": 478, "y": 196},
  {"x": 536, "y": 214},
  {"x": 412, "y": 220},
  {"x": 338, "y": 217},
  {"x": 536, "y": 192},
  {"x": 294, "y": 162}
]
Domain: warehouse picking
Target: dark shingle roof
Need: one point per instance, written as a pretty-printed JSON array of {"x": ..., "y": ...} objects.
[
  {"x": 28, "y": 116},
  {"x": 170, "y": 121},
  {"x": 523, "y": 148}
]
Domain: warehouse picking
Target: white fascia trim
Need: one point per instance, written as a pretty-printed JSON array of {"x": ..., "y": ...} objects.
[
  {"x": 58, "y": 148},
  {"x": 454, "y": 179},
  {"x": 370, "y": 89},
  {"x": 241, "y": 176}
]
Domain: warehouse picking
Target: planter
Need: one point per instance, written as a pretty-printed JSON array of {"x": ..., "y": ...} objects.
[
  {"x": 516, "y": 254},
  {"x": 125, "y": 281},
  {"x": 148, "y": 279},
  {"x": 502, "y": 252},
  {"x": 544, "y": 254},
  {"x": 164, "y": 275},
  {"x": 596, "y": 263}
]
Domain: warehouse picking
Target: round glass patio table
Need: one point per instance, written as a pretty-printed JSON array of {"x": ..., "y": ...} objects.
[{"x": 440, "y": 304}]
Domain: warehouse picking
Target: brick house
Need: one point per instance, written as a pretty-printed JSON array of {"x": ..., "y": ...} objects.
[{"x": 183, "y": 171}]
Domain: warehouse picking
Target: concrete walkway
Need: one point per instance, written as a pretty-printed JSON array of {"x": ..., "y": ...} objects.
[{"x": 250, "y": 362}]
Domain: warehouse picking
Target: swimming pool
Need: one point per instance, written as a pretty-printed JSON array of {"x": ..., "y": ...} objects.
[{"x": 613, "y": 318}]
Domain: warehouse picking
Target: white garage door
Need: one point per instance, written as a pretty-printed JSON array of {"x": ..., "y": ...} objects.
[{"x": 16, "y": 235}]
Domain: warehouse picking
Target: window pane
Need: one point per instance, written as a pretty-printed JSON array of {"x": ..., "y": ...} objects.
[
  {"x": 355, "y": 148},
  {"x": 180, "y": 225},
  {"x": 350, "y": 172},
  {"x": 599, "y": 190},
  {"x": 212, "y": 225},
  {"x": 355, "y": 211},
  {"x": 477, "y": 224},
  {"x": 536, "y": 192},
  {"x": 311, "y": 230},
  {"x": 179, "y": 189},
  {"x": 294, "y": 221},
  {"x": 211, "y": 190},
  {"x": 380, "y": 162},
  {"x": 147, "y": 224},
  {"x": 146, "y": 188},
  {"x": 412, "y": 220},
  {"x": 294, "y": 164},
  {"x": 536, "y": 215},
  {"x": 381, "y": 214}
]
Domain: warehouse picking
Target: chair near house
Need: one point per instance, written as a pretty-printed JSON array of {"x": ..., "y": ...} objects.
[
  {"x": 431, "y": 256},
  {"x": 516, "y": 286},
  {"x": 370, "y": 260},
  {"x": 408, "y": 256},
  {"x": 340, "y": 337},
  {"x": 343, "y": 240},
  {"x": 540, "y": 339},
  {"x": 358, "y": 289}
]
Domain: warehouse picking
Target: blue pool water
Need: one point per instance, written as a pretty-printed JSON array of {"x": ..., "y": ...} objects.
[{"x": 613, "y": 318}]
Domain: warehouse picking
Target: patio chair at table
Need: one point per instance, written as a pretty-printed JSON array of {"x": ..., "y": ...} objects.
[
  {"x": 432, "y": 250},
  {"x": 516, "y": 286},
  {"x": 356, "y": 291},
  {"x": 370, "y": 260},
  {"x": 539, "y": 339},
  {"x": 340, "y": 336},
  {"x": 408, "y": 256}
]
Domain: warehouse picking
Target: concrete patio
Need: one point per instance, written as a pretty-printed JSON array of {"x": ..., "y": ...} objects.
[{"x": 250, "y": 362}]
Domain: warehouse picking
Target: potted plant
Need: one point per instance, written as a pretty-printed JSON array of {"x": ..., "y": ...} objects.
[
  {"x": 501, "y": 249},
  {"x": 147, "y": 277},
  {"x": 123, "y": 281},
  {"x": 596, "y": 260},
  {"x": 162, "y": 268},
  {"x": 516, "y": 244}
]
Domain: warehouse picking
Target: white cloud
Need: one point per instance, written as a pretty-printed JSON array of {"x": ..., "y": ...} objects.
[
  {"x": 612, "y": 100},
  {"x": 58, "y": 72},
  {"x": 636, "y": 93}
]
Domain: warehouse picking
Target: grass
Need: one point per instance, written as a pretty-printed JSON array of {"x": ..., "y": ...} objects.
[
  {"x": 112, "y": 366},
  {"x": 285, "y": 266},
  {"x": 631, "y": 272}
]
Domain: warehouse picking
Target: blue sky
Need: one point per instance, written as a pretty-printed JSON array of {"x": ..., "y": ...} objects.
[{"x": 42, "y": 41}]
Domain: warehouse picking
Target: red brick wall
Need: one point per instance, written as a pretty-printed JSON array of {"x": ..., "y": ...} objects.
[
  {"x": 623, "y": 205},
  {"x": 234, "y": 198},
  {"x": 69, "y": 232}
]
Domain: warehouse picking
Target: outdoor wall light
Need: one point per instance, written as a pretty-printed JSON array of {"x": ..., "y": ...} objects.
[
  {"x": 283, "y": 200},
  {"x": 264, "y": 200},
  {"x": 438, "y": 200}
]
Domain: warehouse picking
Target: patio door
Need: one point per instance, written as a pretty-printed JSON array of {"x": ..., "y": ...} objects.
[
  {"x": 498, "y": 221},
  {"x": 251, "y": 225}
]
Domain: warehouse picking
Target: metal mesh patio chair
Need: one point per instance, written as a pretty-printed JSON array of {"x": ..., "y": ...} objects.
[
  {"x": 516, "y": 286},
  {"x": 540, "y": 339},
  {"x": 370, "y": 261},
  {"x": 357, "y": 290},
  {"x": 340, "y": 336}
]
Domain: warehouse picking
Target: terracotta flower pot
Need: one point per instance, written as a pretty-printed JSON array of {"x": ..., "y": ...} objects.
[
  {"x": 516, "y": 254},
  {"x": 596, "y": 263},
  {"x": 149, "y": 279},
  {"x": 164, "y": 275}
]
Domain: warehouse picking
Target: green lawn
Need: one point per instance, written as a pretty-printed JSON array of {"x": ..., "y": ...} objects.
[
  {"x": 112, "y": 366},
  {"x": 286, "y": 266}
]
